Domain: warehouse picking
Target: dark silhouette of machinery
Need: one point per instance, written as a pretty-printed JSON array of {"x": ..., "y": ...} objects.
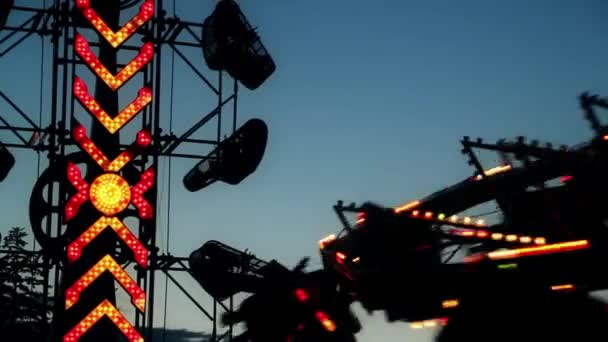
[
  {"x": 7, "y": 161},
  {"x": 524, "y": 275},
  {"x": 299, "y": 306},
  {"x": 231, "y": 44},
  {"x": 233, "y": 160},
  {"x": 5, "y": 10}
]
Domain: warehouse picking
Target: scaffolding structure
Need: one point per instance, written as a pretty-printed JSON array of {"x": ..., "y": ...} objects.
[{"x": 55, "y": 23}]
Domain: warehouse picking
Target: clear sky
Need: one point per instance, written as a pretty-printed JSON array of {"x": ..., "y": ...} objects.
[{"x": 368, "y": 102}]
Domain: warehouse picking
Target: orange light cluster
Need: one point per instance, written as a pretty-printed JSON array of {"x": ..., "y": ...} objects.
[
  {"x": 145, "y": 183},
  {"x": 429, "y": 323},
  {"x": 450, "y": 303},
  {"x": 104, "y": 309},
  {"x": 321, "y": 316},
  {"x": 494, "y": 171},
  {"x": 540, "y": 250},
  {"x": 82, "y": 48},
  {"x": 107, "y": 263},
  {"x": 484, "y": 234},
  {"x": 144, "y": 97},
  {"x": 144, "y": 139},
  {"x": 140, "y": 252},
  {"x": 326, "y": 241},
  {"x": 327, "y": 323},
  {"x": 110, "y": 194},
  {"x": 146, "y": 11},
  {"x": 74, "y": 203}
]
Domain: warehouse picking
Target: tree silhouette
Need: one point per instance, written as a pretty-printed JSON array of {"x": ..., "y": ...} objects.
[{"x": 21, "y": 312}]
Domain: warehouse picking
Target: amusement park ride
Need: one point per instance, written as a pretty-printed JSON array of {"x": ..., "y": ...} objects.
[{"x": 524, "y": 276}]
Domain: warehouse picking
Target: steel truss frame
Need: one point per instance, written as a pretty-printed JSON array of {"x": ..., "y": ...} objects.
[{"x": 168, "y": 32}]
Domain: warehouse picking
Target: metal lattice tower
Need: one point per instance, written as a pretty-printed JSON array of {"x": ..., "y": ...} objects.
[{"x": 58, "y": 24}]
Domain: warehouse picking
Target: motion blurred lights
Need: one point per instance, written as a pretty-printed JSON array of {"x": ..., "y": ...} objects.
[
  {"x": 233, "y": 160},
  {"x": 7, "y": 161},
  {"x": 5, "y": 9},
  {"x": 230, "y": 43}
]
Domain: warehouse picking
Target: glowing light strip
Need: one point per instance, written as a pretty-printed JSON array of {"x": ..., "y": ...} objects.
[
  {"x": 429, "y": 323},
  {"x": 80, "y": 136},
  {"x": 76, "y": 201},
  {"x": 81, "y": 46},
  {"x": 407, "y": 206},
  {"x": 484, "y": 234},
  {"x": 563, "y": 287},
  {"x": 326, "y": 241},
  {"x": 146, "y": 182},
  {"x": 450, "y": 303},
  {"x": 546, "y": 249},
  {"x": 104, "y": 309},
  {"x": 140, "y": 252},
  {"x": 436, "y": 217},
  {"x": 494, "y": 171},
  {"x": 146, "y": 11},
  {"x": 107, "y": 263},
  {"x": 81, "y": 92}
]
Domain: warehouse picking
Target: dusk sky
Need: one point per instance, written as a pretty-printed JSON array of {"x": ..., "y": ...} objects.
[{"x": 368, "y": 102}]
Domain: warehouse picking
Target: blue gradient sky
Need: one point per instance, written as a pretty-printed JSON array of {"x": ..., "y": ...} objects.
[{"x": 368, "y": 102}]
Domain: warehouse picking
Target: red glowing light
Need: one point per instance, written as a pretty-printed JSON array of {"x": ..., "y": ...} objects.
[
  {"x": 104, "y": 309},
  {"x": 146, "y": 11},
  {"x": 81, "y": 46},
  {"x": 301, "y": 295},
  {"x": 107, "y": 263},
  {"x": 140, "y": 252},
  {"x": 144, "y": 97},
  {"x": 145, "y": 183},
  {"x": 80, "y": 136},
  {"x": 74, "y": 203},
  {"x": 565, "y": 179},
  {"x": 340, "y": 257}
]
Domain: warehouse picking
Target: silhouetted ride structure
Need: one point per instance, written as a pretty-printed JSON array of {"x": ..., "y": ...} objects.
[{"x": 525, "y": 274}]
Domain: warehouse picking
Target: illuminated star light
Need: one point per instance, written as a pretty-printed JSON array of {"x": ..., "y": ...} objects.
[
  {"x": 143, "y": 140},
  {"x": 146, "y": 11},
  {"x": 81, "y": 46},
  {"x": 140, "y": 252},
  {"x": 104, "y": 309},
  {"x": 107, "y": 263},
  {"x": 81, "y": 92},
  {"x": 110, "y": 198}
]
